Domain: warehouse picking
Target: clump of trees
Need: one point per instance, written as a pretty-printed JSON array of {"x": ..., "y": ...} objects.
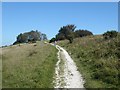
[
  {"x": 110, "y": 34},
  {"x": 69, "y": 32},
  {"x": 31, "y": 36}
]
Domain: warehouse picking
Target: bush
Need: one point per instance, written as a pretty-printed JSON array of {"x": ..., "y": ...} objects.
[
  {"x": 110, "y": 34},
  {"x": 52, "y": 40},
  {"x": 82, "y": 33},
  {"x": 114, "y": 46},
  {"x": 107, "y": 75},
  {"x": 117, "y": 42}
]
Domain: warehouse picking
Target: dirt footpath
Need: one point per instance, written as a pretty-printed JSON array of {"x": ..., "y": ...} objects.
[{"x": 66, "y": 73}]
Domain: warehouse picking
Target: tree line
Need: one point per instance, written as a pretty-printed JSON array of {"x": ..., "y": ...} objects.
[
  {"x": 31, "y": 36},
  {"x": 69, "y": 32}
]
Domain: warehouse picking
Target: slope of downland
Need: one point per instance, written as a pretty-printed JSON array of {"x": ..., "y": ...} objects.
[
  {"x": 28, "y": 65},
  {"x": 97, "y": 60}
]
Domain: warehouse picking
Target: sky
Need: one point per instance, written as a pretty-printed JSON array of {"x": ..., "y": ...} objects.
[
  {"x": 48, "y": 17},
  {"x": 60, "y": 0}
]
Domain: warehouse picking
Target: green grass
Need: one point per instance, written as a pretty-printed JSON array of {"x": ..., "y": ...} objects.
[
  {"x": 96, "y": 59},
  {"x": 28, "y": 65}
]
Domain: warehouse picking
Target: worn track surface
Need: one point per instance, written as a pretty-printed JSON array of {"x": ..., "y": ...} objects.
[{"x": 66, "y": 73}]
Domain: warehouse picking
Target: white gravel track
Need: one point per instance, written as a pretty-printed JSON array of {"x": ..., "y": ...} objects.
[{"x": 71, "y": 76}]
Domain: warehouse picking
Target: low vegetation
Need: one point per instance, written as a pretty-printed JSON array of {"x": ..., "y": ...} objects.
[
  {"x": 28, "y": 65},
  {"x": 97, "y": 59}
]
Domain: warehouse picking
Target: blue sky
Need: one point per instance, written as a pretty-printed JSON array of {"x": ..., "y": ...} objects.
[{"x": 49, "y": 17}]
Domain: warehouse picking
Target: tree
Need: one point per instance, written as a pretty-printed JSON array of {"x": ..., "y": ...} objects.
[
  {"x": 70, "y": 36},
  {"x": 22, "y": 38},
  {"x": 43, "y": 37},
  {"x": 66, "y": 32},
  {"x": 33, "y": 35},
  {"x": 60, "y": 36}
]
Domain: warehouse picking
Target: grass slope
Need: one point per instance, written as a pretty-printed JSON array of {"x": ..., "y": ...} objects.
[
  {"x": 28, "y": 65},
  {"x": 0, "y": 68},
  {"x": 96, "y": 59}
]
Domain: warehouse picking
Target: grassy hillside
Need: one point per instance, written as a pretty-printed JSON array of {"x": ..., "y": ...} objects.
[
  {"x": 97, "y": 60},
  {"x": 28, "y": 65},
  {"x": 0, "y": 68}
]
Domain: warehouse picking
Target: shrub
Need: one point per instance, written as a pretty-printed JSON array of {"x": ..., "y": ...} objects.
[
  {"x": 110, "y": 34},
  {"x": 52, "y": 40},
  {"x": 82, "y": 33},
  {"x": 117, "y": 42}
]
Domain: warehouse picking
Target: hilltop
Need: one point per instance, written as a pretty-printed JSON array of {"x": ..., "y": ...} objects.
[{"x": 32, "y": 64}]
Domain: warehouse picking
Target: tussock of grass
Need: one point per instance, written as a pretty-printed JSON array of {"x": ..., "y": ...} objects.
[
  {"x": 29, "y": 65},
  {"x": 97, "y": 60}
]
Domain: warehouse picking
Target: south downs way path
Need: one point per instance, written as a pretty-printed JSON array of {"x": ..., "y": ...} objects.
[{"x": 66, "y": 73}]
